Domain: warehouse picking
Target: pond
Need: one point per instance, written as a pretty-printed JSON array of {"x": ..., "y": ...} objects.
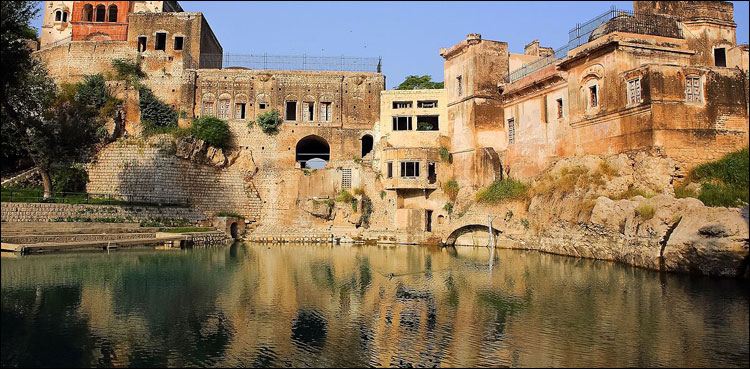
[{"x": 323, "y": 305}]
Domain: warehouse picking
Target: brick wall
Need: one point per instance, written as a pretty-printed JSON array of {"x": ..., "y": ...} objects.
[{"x": 39, "y": 212}]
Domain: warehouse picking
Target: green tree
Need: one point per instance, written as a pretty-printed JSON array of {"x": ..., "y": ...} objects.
[
  {"x": 212, "y": 130},
  {"x": 53, "y": 127},
  {"x": 418, "y": 83}
]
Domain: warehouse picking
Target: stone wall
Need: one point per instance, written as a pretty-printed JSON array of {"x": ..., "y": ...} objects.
[
  {"x": 41, "y": 212},
  {"x": 140, "y": 172}
]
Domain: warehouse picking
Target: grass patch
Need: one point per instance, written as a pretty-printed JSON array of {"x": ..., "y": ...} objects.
[
  {"x": 631, "y": 192},
  {"x": 683, "y": 191},
  {"x": 185, "y": 229},
  {"x": 345, "y": 196},
  {"x": 36, "y": 195},
  {"x": 562, "y": 184},
  {"x": 228, "y": 214},
  {"x": 646, "y": 212},
  {"x": 500, "y": 190},
  {"x": 724, "y": 182}
]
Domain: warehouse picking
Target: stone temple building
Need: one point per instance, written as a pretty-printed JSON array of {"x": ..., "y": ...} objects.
[{"x": 667, "y": 78}]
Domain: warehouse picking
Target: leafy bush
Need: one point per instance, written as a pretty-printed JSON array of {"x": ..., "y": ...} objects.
[
  {"x": 154, "y": 110},
  {"x": 451, "y": 189},
  {"x": 70, "y": 180},
  {"x": 448, "y": 208},
  {"x": 366, "y": 211},
  {"x": 128, "y": 69},
  {"x": 445, "y": 154},
  {"x": 93, "y": 91},
  {"x": 507, "y": 189},
  {"x": 212, "y": 130},
  {"x": 269, "y": 122},
  {"x": 344, "y": 196}
]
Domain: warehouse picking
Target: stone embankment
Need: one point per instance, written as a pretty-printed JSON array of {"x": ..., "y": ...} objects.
[
  {"x": 49, "y": 212},
  {"x": 623, "y": 209}
]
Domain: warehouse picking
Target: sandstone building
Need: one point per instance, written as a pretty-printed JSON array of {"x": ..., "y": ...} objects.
[{"x": 667, "y": 78}]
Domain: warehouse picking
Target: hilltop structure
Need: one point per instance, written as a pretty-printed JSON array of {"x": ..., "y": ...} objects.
[{"x": 668, "y": 79}]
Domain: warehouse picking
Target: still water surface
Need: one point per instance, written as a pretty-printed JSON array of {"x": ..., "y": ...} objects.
[{"x": 312, "y": 305}]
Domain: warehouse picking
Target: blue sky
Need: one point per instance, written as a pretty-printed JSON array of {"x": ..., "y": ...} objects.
[{"x": 407, "y": 35}]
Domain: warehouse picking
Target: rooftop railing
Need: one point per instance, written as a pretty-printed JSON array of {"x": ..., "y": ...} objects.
[
  {"x": 622, "y": 21},
  {"x": 292, "y": 62}
]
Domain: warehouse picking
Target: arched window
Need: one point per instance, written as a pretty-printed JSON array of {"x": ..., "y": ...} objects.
[
  {"x": 113, "y": 13},
  {"x": 312, "y": 148},
  {"x": 58, "y": 16},
  {"x": 65, "y": 17},
  {"x": 101, "y": 12},
  {"x": 88, "y": 13}
]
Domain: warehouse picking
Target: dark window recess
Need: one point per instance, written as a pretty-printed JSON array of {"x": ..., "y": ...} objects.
[
  {"x": 141, "y": 43},
  {"x": 431, "y": 173},
  {"x": 402, "y": 104},
  {"x": 291, "y": 110},
  {"x": 367, "y": 142},
  {"x": 178, "y": 42},
  {"x": 88, "y": 13},
  {"x": 511, "y": 131},
  {"x": 112, "y": 13},
  {"x": 261, "y": 105},
  {"x": 239, "y": 111},
  {"x": 402, "y": 123},
  {"x": 409, "y": 169},
  {"x": 720, "y": 57},
  {"x": 427, "y": 123},
  {"x": 101, "y": 13},
  {"x": 593, "y": 96},
  {"x": 559, "y": 108},
  {"x": 58, "y": 16},
  {"x": 427, "y": 104},
  {"x": 65, "y": 17},
  {"x": 428, "y": 221},
  {"x": 390, "y": 170},
  {"x": 161, "y": 41}
]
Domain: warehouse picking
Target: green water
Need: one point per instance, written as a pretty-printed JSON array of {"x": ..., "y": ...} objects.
[{"x": 312, "y": 305}]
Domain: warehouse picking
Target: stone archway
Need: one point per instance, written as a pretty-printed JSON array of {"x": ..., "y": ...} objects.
[
  {"x": 468, "y": 228},
  {"x": 312, "y": 147},
  {"x": 367, "y": 143}
]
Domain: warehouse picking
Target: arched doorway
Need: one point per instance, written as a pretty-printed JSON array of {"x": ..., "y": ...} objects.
[
  {"x": 366, "y": 145},
  {"x": 233, "y": 230},
  {"x": 313, "y": 150}
]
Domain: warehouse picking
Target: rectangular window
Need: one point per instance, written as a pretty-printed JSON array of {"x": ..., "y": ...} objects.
[
  {"x": 402, "y": 104},
  {"x": 511, "y": 131},
  {"x": 593, "y": 98},
  {"x": 459, "y": 87},
  {"x": 261, "y": 106},
  {"x": 178, "y": 40},
  {"x": 325, "y": 111},
  {"x": 428, "y": 221},
  {"x": 208, "y": 108},
  {"x": 390, "y": 169},
  {"x": 161, "y": 41},
  {"x": 559, "y": 108},
  {"x": 291, "y": 110},
  {"x": 402, "y": 123},
  {"x": 346, "y": 178},
  {"x": 409, "y": 169},
  {"x": 141, "y": 44},
  {"x": 427, "y": 104},
  {"x": 427, "y": 123},
  {"x": 693, "y": 89},
  {"x": 431, "y": 173},
  {"x": 239, "y": 111},
  {"x": 720, "y": 57},
  {"x": 224, "y": 108},
  {"x": 634, "y": 91},
  {"x": 308, "y": 111}
]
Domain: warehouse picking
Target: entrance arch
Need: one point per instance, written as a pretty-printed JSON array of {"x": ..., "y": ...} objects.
[
  {"x": 233, "y": 230},
  {"x": 366, "y": 145},
  {"x": 312, "y": 147},
  {"x": 468, "y": 228}
]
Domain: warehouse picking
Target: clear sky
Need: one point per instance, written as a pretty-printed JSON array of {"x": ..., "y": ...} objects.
[{"x": 407, "y": 35}]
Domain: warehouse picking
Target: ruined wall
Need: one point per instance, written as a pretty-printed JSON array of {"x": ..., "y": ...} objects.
[{"x": 145, "y": 172}]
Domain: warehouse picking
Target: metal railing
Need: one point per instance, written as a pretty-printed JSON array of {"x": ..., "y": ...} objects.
[
  {"x": 59, "y": 197},
  {"x": 621, "y": 20},
  {"x": 292, "y": 62}
]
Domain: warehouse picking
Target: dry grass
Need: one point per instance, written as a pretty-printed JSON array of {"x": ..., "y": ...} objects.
[
  {"x": 631, "y": 192},
  {"x": 451, "y": 189},
  {"x": 645, "y": 212}
]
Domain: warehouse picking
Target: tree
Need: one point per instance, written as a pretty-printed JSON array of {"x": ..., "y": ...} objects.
[
  {"x": 416, "y": 83},
  {"x": 52, "y": 126}
]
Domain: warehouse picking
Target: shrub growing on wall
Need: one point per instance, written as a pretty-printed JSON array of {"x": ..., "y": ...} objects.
[
  {"x": 154, "y": 111},
  {"x": 93, "y": 91},
  {"x": 212, "y": 130},
  {"x": 70, "y": 180},
  {"x": 451, "y": 189},
  {"x": 269, "y": 121}
]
